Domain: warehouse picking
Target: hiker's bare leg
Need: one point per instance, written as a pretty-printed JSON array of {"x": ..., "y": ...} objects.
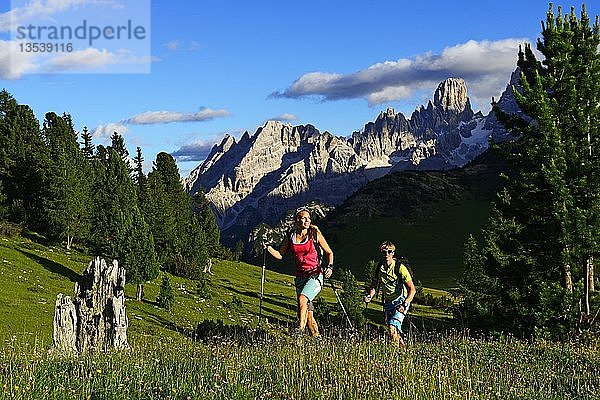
[
  {"x": 312, "y": 324},
  {"x": 396, "y": 337},
  {"x": 302, "y": 311}
]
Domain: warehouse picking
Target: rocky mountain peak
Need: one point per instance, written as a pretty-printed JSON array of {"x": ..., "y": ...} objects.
[
  {"x": 281, "y": 166},
  {"x": 451, "y": 94}
]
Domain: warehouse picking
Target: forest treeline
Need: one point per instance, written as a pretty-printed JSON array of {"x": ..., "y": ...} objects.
[{"x": 54, "y": 181}]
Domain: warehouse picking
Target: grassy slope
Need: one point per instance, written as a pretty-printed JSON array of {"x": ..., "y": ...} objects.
[{"x": 31, "y": 275}]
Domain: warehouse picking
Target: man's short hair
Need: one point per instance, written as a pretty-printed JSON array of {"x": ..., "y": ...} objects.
[{"x": 387, "y": 245}]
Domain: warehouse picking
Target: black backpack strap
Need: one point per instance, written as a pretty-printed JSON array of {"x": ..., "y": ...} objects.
[{"x": 313, "y": 233}]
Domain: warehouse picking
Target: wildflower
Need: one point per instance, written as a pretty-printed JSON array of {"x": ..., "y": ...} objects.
[{"x": 99, "y": 371}]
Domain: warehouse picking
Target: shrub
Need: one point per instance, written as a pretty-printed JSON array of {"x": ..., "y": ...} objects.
[
  {"x": 352, "y": 298},
  {"x": 236, "y": 304},
  {"x": 204, "y": 287},
  {"x": 165, "y": 298}
]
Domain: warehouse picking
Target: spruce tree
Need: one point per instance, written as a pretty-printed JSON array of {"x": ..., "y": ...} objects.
[
  {"x": 118, "y": 145},
  {"x": 120, "y": 230},
  {"x": 114, "y": 200},
  {"x": 179, "y": 238},
  {"x": 165, "y": 298},
  {"x": 67, "y": 196},
  {"x": 352, "y": 298},
  {"x": 544, "y": 228},
  {"x": 208, "y": 223},
  {"x": 23, "y": 162},
  {"x": 141, "y": 184},
  {"x": 140, "y": 258},
  {"x": 88, "y": 146}
]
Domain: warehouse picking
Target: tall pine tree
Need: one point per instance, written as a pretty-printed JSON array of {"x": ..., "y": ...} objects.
[
  {"x": 207, "y": 222},
  {"x": 23, "y": 162},
  {"x": 120, "y": 231},
  {"x": 67, "y": 197},
  {"x": 179, "y": 238},
  {"x": 535, "y": 267}
]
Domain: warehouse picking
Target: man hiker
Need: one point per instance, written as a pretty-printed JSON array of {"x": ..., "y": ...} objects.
[
  {"x": 303, "y": 242},
  {"x": 393, "y": 279}
]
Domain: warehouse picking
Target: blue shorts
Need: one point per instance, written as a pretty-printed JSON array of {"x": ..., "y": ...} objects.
[
  {"x": 309, "y": 286},
  {"x": 393, "y": 317}
]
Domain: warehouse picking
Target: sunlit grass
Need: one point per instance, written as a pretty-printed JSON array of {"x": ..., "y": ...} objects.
[
  {"x": 164, "y": 363},
  {"x": 451, "y": 367}
]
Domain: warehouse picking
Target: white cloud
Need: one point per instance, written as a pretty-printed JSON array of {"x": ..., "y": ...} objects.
[
  {"x": 13, "y": 63},
  {"x": 196, "y": 151},
  {"x": 485, "y": 66},
  {"x": 17, "y": 62},
  {"x": 106, "y": 130},
  {"x": 172, "y": 45},
  {"x": 36, "y": 9},
  {"x": 165, "y": 117},
  {"x": 88, "y": 59},
  {"x": 284, "y": 117},
  {"x": 177, "y": 44}
]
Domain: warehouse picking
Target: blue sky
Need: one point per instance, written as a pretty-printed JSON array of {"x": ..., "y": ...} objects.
[{"x": 225, "y": 66}]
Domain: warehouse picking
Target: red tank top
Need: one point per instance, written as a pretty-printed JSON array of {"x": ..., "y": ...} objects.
[{"x": 305, "y": 256}]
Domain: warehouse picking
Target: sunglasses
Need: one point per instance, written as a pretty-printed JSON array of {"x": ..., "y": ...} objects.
[
  {"x": 388, "y": 251},
  {"x": 300, "y": 209}
]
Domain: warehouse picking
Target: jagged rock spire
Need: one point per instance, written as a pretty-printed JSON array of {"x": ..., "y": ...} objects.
[{"x": 451, "y": 94}]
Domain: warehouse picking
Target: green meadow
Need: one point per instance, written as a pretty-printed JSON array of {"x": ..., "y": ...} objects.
[{"x": 167, "y": 361}]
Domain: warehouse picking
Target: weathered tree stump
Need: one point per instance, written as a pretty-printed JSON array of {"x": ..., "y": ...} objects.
[{"x": 96, "y": 318}]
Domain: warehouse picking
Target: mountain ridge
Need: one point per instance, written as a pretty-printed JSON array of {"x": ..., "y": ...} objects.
[{"x": 281, "y": 167}]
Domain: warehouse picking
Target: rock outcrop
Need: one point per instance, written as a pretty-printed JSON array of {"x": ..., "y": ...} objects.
[{"x": 95, "y": 319}]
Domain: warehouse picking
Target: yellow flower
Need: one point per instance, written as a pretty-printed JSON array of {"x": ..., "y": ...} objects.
[{"x": 99, "y": 371}]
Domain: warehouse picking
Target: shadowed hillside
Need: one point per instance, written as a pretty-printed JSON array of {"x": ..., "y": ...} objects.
[{"x": 428, "y": 214}]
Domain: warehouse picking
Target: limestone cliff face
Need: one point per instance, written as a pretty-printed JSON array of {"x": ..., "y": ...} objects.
[{"x": 281, "y": 167}]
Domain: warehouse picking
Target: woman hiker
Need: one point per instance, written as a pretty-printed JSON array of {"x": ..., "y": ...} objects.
[
  {"x": 397, "y": 290},
  {"x": 303, "y": 242}
]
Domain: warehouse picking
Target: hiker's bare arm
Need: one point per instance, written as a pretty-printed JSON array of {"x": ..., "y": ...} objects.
[
  {"x": 326, "y": 249},
  {"x": 278, "y": 254},
  {"x": 412, "y": 290}
]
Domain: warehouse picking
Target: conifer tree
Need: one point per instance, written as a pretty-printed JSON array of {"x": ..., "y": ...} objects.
[
  {"x": 165, "y": 298},
  {"x": 141, "y": 183},
  {"x": 544, "y": 229},
  {"x": 88, "y": 146},
  {"x": 179, "y": 239},
  {"x": 140, "y": 259},
  {"x": 114, "y": 198},
  {"x": 208, "y": 223},
  {"x": 23, "y": 162},
  {"x": 120, "y": 231},
  {"x": 67, "y": 195},
  {"x": 118, "y": 145},
  {"x": 352, "y": 298}
]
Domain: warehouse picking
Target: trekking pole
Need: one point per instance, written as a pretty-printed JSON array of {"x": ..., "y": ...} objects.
[
  {"x": 366, "y": 318},
  {"x": 341, "y": 305},
  {"x": 262, "y": 285}
]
